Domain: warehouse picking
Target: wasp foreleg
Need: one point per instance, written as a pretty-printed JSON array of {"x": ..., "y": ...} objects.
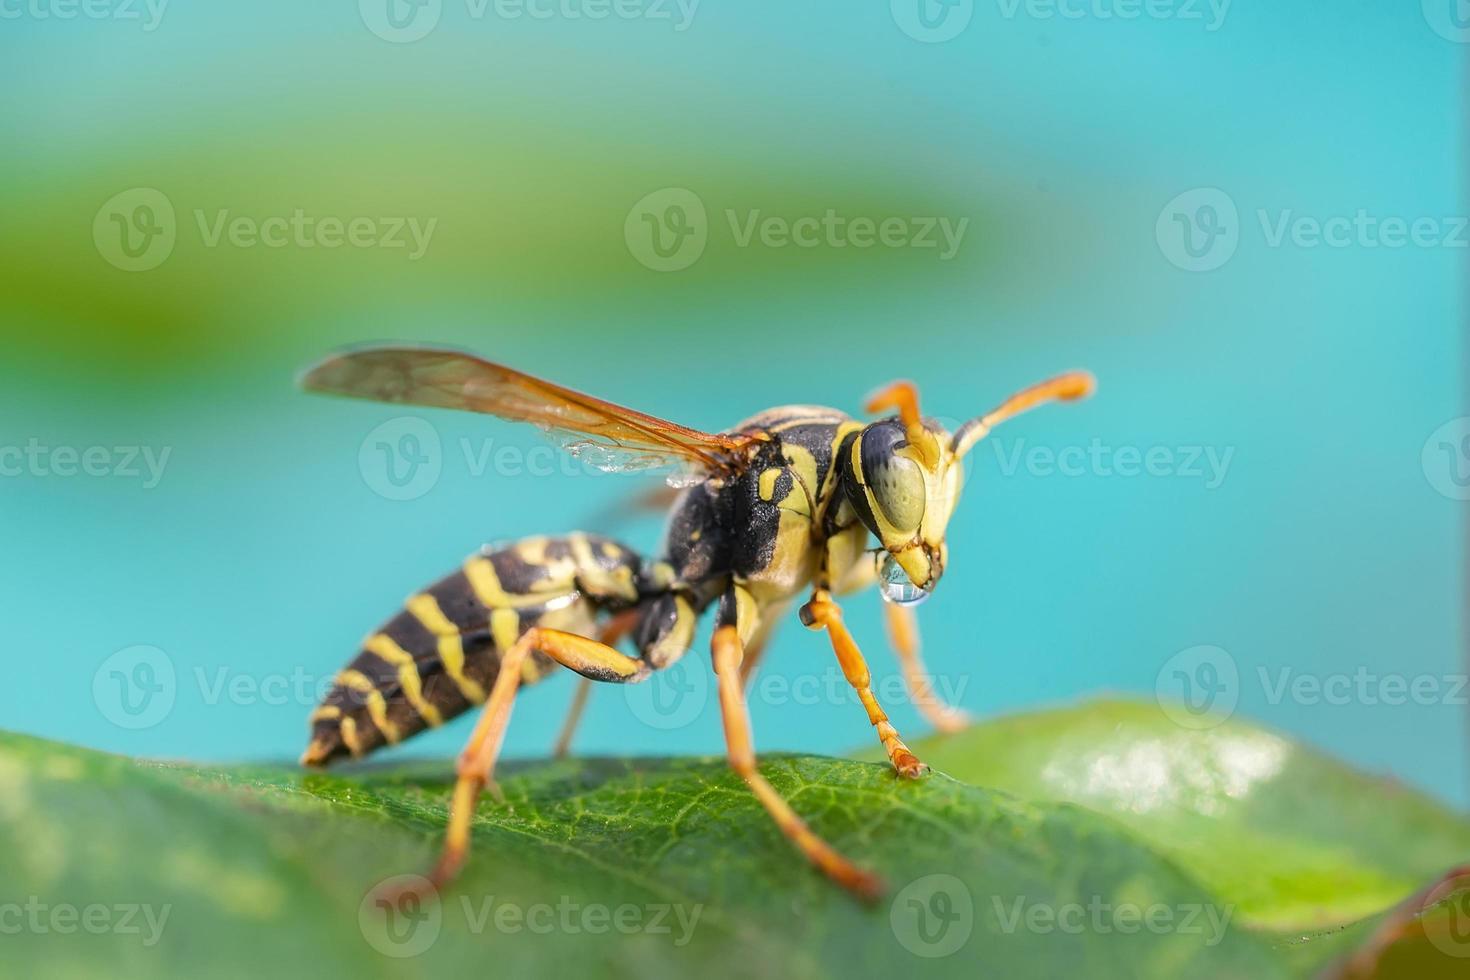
[{"x": 822, "y": 613}]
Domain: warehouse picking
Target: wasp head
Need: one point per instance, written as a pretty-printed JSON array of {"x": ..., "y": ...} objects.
[
  {"x": 902, "y": 476},
  {"x": 903, "y": 483}
]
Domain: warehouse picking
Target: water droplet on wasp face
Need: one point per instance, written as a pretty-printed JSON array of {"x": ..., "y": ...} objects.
[{"x": 895, "y": 585}]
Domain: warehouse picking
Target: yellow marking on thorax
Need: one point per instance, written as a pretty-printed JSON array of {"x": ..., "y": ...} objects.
[
  {"x": 408, "y": 676},
  {"x": 803, "y": 467},
  {"x": 768, "y": 480},
  {"x": 829, "y": 482},
  {"x": 425, "y": 608}
]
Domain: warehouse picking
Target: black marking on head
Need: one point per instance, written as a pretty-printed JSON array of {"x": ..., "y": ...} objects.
[{"x": 852, "y": 484}]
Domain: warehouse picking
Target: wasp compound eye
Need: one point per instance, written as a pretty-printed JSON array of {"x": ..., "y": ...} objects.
[{"x": 895, "y": 482}]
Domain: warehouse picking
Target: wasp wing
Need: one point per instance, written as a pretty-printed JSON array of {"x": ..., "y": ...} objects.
[{"x": 609, "y": 437}]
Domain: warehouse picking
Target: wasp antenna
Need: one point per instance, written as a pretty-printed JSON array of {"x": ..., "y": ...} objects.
[
  {"x": 903, "y": 396},
  {"x": 1063, "y": 387}
]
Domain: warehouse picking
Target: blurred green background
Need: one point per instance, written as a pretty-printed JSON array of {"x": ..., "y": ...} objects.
[{"x": 1323, "y": 378}]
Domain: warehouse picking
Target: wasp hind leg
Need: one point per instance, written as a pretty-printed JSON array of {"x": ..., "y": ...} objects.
[
  {"x": 475, "y": 769},
  {"x": 737, "y": 625}
]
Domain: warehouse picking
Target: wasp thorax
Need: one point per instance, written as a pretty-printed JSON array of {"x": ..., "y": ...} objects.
[{"x": 896, "y": 585}]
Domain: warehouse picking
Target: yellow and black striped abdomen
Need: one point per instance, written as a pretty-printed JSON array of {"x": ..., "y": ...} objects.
[{"x": 440, "y": 655}]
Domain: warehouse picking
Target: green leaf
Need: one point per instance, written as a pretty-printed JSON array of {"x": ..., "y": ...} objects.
[
  {"x": 269, "y": 872},
  {"x": 1298, "y": 841}
]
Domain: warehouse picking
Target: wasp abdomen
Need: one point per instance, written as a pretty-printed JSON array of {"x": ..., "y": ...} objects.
[{"x": 441, "y": 654}]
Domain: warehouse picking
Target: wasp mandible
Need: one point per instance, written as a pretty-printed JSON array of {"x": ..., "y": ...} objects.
[{"x": 782, "y": 505}]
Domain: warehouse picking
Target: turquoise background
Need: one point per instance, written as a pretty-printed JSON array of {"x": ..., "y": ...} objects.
[{"x": 264, "y": 551}]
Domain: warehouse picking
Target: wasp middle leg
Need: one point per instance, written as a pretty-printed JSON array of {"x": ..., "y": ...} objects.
[
  {"x": 903, "y": 636},
  {"x": 737, "y": 624}
]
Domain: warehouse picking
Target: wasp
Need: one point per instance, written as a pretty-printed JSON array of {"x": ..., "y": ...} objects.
[{"x": 782, "y": 506}]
